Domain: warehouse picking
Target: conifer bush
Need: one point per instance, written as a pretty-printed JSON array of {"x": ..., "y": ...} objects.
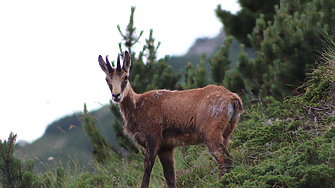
[
  {"x": 12, "y": 172},
  {"x": 289, "y": 143},
  {"x": 101, "y": 148},
  {"x": 196, "y": 77},
  {"x": 239, "y": 25},
  {"x": 221, "y": 62},
  {"x": 286, "y": 48}
]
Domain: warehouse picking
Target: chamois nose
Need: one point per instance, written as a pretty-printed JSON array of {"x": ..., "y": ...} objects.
[{"x": 116, "y": 95}]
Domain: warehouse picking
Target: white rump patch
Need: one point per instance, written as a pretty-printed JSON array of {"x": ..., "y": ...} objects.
[{"x": 230, "y": 111}]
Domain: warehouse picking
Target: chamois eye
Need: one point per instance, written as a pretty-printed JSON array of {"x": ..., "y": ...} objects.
[{"x": 126, "y": 78}]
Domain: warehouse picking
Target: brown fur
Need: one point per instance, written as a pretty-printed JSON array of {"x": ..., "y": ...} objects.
[{"x": 160, "y": 120}]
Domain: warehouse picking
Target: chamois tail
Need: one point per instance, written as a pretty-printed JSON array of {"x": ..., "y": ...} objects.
[{"x": 235, "y": 110}]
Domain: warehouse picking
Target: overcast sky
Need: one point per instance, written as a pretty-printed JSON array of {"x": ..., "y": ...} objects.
[{"x": 49, "y": 52}]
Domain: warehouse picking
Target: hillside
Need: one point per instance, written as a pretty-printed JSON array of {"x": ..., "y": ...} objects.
[
  {"x": 208, "y": 46},
  {"x": 64, "y": 138}
]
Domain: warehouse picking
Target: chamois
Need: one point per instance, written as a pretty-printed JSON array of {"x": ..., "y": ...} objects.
[{"x": 160, "y": 120}]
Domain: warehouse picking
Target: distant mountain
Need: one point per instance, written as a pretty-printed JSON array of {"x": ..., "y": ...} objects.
[
  {"x": 65, "y": 139},
  {"x": 206, "y": 45},
  {"x": 209, "y": 46}
]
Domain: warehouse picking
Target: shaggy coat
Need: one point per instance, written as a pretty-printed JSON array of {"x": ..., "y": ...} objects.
[{"x": 160, "y": 120}]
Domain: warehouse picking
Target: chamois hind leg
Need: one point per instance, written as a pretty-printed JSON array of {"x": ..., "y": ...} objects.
[
  {"x": 149, "y": 160},
  {"x": 228, "y": 131},
  {"x": 214, "y": 141},
  {"x": 166, "y": 157}
]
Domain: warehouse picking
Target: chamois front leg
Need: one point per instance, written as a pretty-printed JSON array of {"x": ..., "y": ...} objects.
[
  {"x": 149, "y": 160},
  {"x": 166, "y": 157}
]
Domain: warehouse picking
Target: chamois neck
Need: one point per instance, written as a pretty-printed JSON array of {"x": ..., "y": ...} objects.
[{"x": 129, "y": 99}]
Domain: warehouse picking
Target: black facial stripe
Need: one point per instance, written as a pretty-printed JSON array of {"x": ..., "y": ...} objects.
[
  {"x": 123, "y": 85},
  {"x": 109, "y": 85}
]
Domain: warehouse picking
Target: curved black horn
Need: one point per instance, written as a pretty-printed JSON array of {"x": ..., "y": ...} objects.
[
  {"x": 118, "y": 65},
  {"x": 109, "y": 67}
]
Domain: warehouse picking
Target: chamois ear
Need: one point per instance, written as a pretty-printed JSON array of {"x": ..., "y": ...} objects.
[
  {"x": 102, "y": 64},
  {"x": 126, "y": 62},
  {"x": 106, "y": 67}
]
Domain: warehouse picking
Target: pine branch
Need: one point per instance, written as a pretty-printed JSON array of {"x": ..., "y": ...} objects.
[
  {"x": 6, "y": 159},
  {"x": 101, "y": 148}
]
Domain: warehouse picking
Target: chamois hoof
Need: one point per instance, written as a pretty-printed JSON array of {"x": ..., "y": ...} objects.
[
  {"x": 228, "y": 166},
  {"x": 229, "y": 169}
]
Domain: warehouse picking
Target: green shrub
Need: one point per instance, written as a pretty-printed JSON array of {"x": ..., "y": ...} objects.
[{"x": 305, "y": 164}]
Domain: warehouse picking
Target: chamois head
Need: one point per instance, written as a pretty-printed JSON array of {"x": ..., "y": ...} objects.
[{"x": 116, "y": 78}]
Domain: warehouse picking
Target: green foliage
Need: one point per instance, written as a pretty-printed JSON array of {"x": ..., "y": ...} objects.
[
  {"x": 220, "y": 63},
  {"x": 196, "y": 77},
  {"x": 100, "y": 145},
  {"x": 200, "y": 73},
  {"x": 233, "y": 80},
  {"x": 147, "y": 72},
  {"x": 241, "y": 24},
  {"x": 290, "y": 143},
  {"x": 152, "y": 73},
  {"x": 286, "y": 48},
  {"x": 60, "y": 176},
  {"x": 189, "y": 76},
  {"x": 194, "y": 167},
  {"x": 130, "y": 38},
  {"x": 320, "y": 86},
  {"x": 305, "y": 164},
  {"x": 12, "y": 173}
]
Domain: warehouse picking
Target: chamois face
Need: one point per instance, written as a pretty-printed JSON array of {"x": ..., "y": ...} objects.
[{"x": 116, "y": 78}]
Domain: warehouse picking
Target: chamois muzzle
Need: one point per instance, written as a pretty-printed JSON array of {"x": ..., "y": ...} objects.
[{"x": 117, "y": 97}]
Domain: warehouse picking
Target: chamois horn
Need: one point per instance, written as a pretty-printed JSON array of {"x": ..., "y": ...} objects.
[
  {"x": 118, "y": 65},
  {"x": 109, "y": 67}
]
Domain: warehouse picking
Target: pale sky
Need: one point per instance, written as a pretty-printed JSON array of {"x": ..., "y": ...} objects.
[{"x": 49, "y": 52}]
